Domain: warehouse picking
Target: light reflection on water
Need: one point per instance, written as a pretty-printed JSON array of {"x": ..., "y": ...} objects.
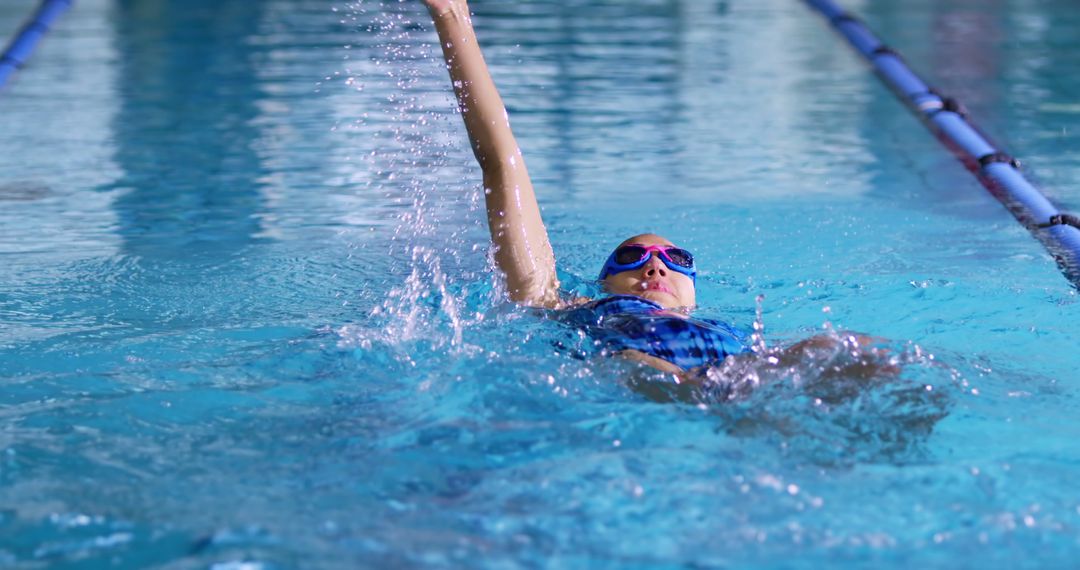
[{"x": 253, "y": 321}]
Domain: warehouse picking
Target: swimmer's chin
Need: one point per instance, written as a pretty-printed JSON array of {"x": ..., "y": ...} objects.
[{"x": 666, "y": 299}]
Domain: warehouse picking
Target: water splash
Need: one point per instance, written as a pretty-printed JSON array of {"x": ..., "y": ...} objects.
[
  {"x": 414, "y": 153},
  {"x": 427, "y": 307},
  {"x": 757, "y": 339},
  {"x": 839, "y": 395}
]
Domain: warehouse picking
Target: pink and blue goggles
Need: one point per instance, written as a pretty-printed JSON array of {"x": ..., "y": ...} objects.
[{"x": 634, "y": 255}]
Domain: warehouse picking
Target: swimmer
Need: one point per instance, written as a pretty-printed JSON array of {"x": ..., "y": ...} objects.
[{"x": 651, "y": 281}]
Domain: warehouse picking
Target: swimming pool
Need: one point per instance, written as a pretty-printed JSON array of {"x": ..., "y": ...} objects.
[{"x": 245, "y": 314}]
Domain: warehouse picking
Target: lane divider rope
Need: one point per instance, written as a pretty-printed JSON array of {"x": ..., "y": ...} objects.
[
  {"x": 17, "y": 52},
  {"x": 998, "y": 171}
]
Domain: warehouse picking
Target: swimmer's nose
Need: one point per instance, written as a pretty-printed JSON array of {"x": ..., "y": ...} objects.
[{"x": 655, "y": 267}]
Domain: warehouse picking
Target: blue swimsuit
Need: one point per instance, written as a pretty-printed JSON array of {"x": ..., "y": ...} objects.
[{"x": 626, "y": 322}]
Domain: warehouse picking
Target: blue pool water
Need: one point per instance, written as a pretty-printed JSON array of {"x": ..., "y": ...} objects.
[{"x": 247, "y": 321}]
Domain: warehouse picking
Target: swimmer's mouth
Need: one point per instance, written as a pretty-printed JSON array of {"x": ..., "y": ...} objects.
[{"x": 655, "y": 286}]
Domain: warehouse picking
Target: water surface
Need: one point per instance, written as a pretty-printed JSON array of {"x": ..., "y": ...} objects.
[{"x": 246, "y": 314}]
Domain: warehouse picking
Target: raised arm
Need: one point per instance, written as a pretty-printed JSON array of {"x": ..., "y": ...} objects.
[{"x": 522, "y": 249}]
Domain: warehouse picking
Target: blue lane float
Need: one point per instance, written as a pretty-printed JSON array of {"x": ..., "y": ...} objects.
[
  {"x": 22, "y": 45},
  {"x": 946, "y": 118}
]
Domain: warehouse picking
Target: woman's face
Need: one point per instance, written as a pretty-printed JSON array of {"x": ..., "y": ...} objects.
[{"x": 653, "y": 281}]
